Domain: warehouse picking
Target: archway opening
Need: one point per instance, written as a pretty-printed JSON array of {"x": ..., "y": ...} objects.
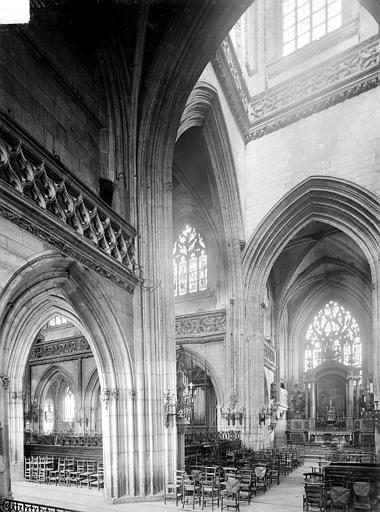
[{"x": 62, "y": 408}]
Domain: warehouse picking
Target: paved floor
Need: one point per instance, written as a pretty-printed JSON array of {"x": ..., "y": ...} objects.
[{"x": 286, "y": 497}]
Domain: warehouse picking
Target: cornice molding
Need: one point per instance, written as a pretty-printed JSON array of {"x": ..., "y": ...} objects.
[{"x": 344, "y": 76}]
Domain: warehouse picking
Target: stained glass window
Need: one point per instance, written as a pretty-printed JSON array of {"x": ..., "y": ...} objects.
[
  {"x": 333, "y": 335},
  {"x": 304, "y": 21},
  {"x": 68, "y": 406},
  {"x": 190, "y": 263}
]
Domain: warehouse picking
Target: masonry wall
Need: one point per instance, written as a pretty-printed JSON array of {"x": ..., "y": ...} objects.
[
  {"x": 54, "y": 92},
  {"x": 342, "y": 141}
]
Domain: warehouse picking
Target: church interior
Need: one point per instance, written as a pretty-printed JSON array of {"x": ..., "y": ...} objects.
[{"x": 190, "y": 250}]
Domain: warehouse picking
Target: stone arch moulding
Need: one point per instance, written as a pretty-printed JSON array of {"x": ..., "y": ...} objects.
[
  {"x": 203, "y": 109},
  {"x": 341, "y": 203},
  {"x": 50, "y": 285},
  {"x": 201, "y": 361},
  {"x": 47, "y": 379}
]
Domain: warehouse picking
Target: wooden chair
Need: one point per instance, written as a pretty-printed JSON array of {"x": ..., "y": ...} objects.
[
  {"x": 246, "y": 486},
  {"x": 173, "y": 489},
  {"x": 339, "y": 498},
  {"x": 74, "y": 477},
  {"x": 363, "y": 498},
  {"x": 209, "y": 490},
  {"x": 191, "y": 488},
  {"x": 27, "y": 468},
  {"x": 314, "y": 496},
  {"x": 97, "y": 479},
  {"x": 261, "y": 478},
  {"x": 34, "y": 465},
  {"x": 230, "y": 496},
  {"x": 85, "y": 476},
  {"x": 274, "y": 472}
]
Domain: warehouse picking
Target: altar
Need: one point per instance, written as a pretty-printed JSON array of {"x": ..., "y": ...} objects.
[{"x": 334, "y": 438}]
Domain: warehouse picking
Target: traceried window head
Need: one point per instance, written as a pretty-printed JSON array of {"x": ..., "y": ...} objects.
[
  {"x": 304, "y": 21},
  {"x": 333, "y": 335},
  {"x": 190, "y": 263},
  {"x": 68, "y": 406}
]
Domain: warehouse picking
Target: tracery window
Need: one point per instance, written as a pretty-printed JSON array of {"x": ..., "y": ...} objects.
[
  {"x": 190, "y": 263},
  {"x": 304, "y": 21},
  {"x": 333, "y": 335},
  {"x": 68, "y": 406}
]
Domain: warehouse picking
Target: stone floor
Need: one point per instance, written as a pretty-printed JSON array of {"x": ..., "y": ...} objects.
[{"x": 286, "y": 497}]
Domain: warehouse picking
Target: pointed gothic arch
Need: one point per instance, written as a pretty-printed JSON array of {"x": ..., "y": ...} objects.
[
  {"x": 348, "y": 207},
  {"x": 51, "y": 285}
]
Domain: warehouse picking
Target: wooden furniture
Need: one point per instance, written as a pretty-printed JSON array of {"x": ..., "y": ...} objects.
[
  {"x": 230, "y": 496},
  {"x": 97, "y": 479},
  {"x": 261, "y": 478},
  {"x": 314, "y": 496},
  {"x": 173, "y": 489}
]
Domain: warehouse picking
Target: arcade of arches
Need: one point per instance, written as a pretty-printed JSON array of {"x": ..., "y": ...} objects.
[{"x": 189, "y": 249}]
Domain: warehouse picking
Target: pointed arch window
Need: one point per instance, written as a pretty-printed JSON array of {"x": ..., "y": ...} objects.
[
  {"x": 190, "y": 263},
  {"x": 333, "y": 335},
  {"x": 68, "y": 406}
]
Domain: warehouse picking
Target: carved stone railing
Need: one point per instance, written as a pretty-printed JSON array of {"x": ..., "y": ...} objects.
[
  {"x": 41, "y": 196},
  {"x": 60, "y": 349},
  {"x": 269, "y": 354},
  {"x": 63, "y": 439},
  {"x": 341, "y": 77},
  {"x": 198, "y": 438},
  {"x": 201, "y": 327}
]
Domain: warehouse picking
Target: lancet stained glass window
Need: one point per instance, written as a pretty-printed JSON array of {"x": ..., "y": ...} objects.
[
  {"x": 190, "y": 263},
  {"x": 333, "y": 335},
  {"x": 304, "y": 21},
  {"x": 68, "y": 406}
]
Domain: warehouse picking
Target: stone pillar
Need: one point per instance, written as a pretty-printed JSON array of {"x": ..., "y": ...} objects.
[
  {"x": 313, "y": 399},
  {"x": 349, "y": 396},
  {"x": 5, "y": 480},
  {"x": 357, "y": 401},
  {"x": 307, "y": 406},
  {"x": 16, "y": 427},
  {"x": 181, "y": 428}
]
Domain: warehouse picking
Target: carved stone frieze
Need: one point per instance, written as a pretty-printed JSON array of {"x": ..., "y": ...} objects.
[
  {"x": 201, "y": 327},
  {"x": 58, "y": 348},
  {"x": 346, "y": 75},
  {"x": 45, "y": 200},
  {"x": 305, "y": 85}
]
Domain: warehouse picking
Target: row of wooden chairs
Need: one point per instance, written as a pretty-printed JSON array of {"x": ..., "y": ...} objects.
[
  {"x": 338, "y": 492},
  {"x": 64, "y": 471},
  {"x": 226, "y": 486}
]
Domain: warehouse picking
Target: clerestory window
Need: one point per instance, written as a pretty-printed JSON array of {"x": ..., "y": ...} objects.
[
  {"x": 304, "y": 21},
  {"x": 190, "y": 262},
  {"x": 333, "y": 335}
]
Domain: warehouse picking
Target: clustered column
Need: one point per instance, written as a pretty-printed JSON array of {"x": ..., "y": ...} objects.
[{"x": 5, "y": 481}]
